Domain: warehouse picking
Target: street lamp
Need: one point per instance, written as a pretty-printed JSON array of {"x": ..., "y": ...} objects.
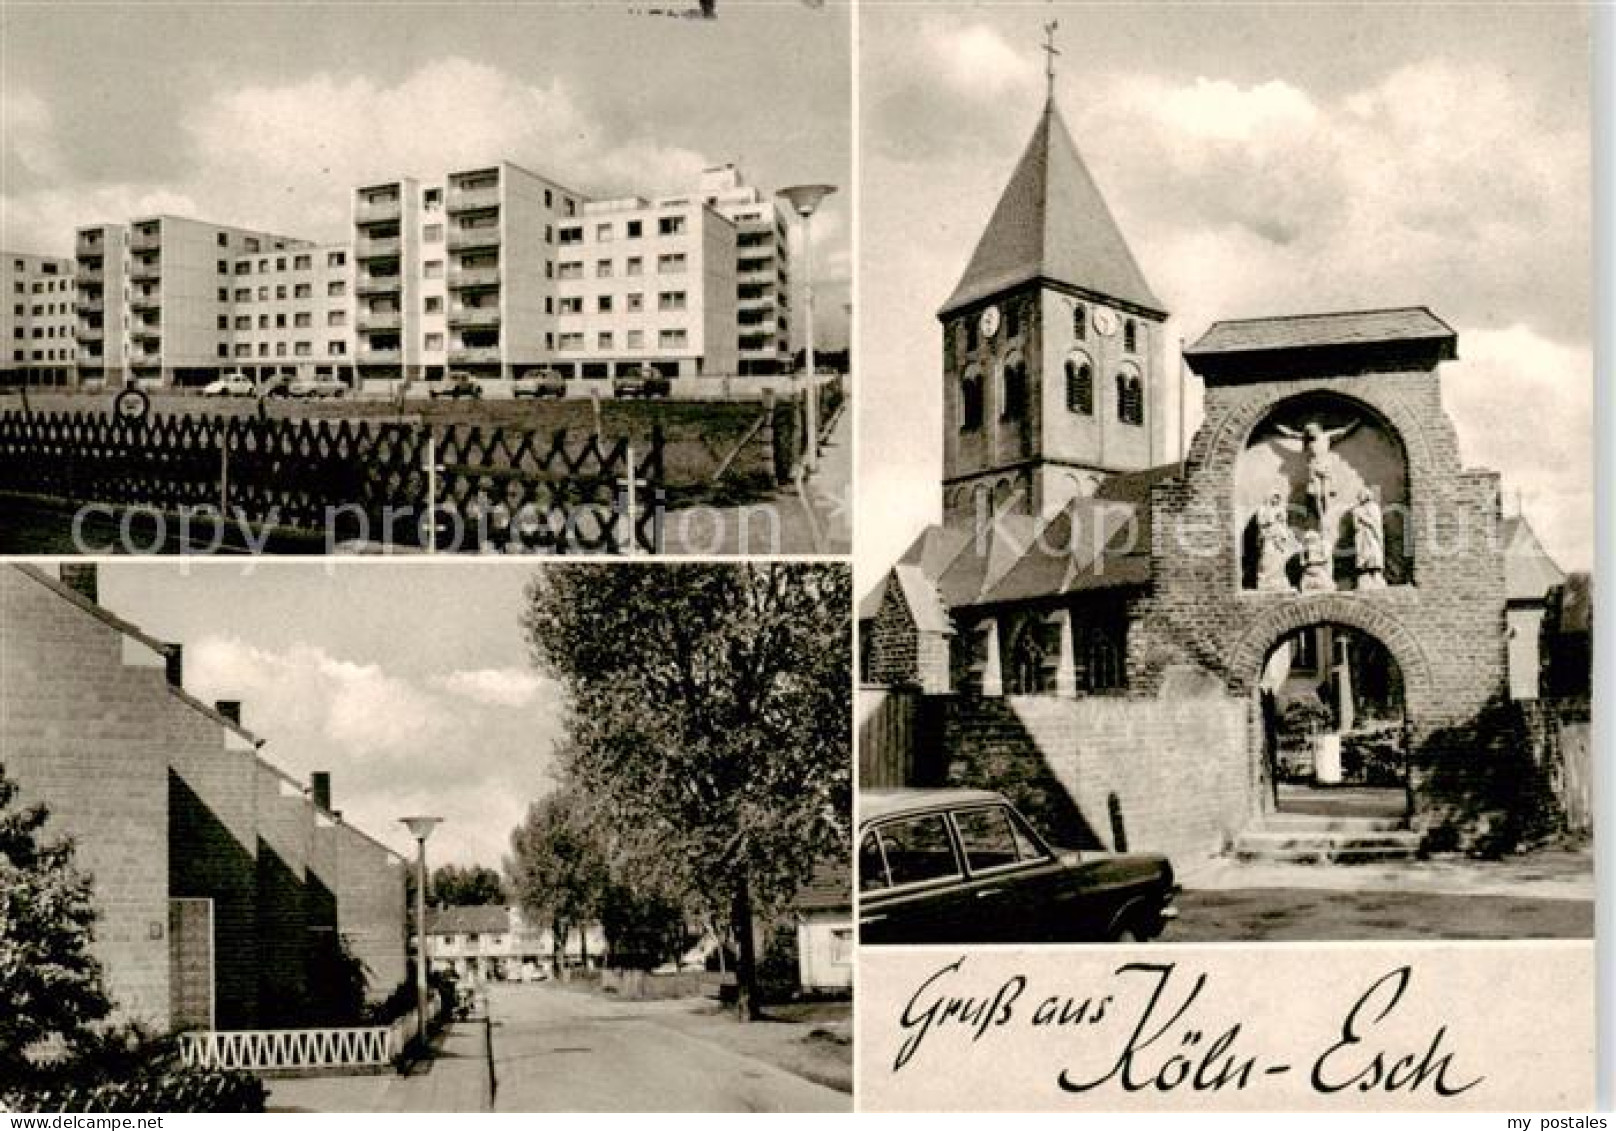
[
  {"x": 804, "y": 199},
  {"x": 420, "y": 828}
]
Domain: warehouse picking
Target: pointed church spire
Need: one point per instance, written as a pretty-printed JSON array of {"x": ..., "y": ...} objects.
[
  {"x": 1052, "y": 223},
  {"x": 1050, "y": 50}
]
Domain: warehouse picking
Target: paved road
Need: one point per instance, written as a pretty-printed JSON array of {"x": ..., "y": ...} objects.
[{"x": 555, "y": 1050}]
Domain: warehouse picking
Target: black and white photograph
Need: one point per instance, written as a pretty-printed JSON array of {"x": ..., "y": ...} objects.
[
  {"x": 268, "y": 843},
  {"x": 553, "y": 278},
  {"x": 1227, "y": 494}
]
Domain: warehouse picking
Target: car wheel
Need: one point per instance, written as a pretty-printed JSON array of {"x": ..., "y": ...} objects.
[{"x": 1128, "y": 933}]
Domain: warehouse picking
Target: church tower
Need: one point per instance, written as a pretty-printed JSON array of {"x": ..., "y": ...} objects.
[{"x": 1053, "y": 345}]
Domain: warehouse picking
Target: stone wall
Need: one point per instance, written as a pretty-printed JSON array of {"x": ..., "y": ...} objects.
[{"x": 1146, "y": 775}]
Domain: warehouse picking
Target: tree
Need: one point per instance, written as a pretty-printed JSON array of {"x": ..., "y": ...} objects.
[
  {"x": 558, "y": 867},
  {"x": 476, "y": 886},
  {"x": 49, "y": 981},
  {"x": 710, "y": 708}
]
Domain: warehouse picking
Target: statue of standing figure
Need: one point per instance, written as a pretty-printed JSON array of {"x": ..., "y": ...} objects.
[
  {"x": 1276, "y": 545},
  {"x": 1316, "y": 575},
  {"x": 1322, "y": 463},
  {"x": 1369, "y": 540}
]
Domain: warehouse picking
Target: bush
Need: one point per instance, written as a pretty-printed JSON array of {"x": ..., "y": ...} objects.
[{"x": 168, "y": 1089}]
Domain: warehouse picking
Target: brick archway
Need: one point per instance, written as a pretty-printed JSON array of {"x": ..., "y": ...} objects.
[{"x": 1268, "y": 627}]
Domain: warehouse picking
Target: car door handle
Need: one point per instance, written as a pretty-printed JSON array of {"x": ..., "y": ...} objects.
[{"x": 983, "y": 893}]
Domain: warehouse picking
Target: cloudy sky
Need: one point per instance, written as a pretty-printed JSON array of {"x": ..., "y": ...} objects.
[
  {"x": 268, "y": 115},
  {"x": 1260, "y": 160},
  {"x": 409, "y": 683}
]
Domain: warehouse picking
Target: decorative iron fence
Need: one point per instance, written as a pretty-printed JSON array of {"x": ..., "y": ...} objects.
[
  {"x": 290, "y": 1050},
  {"x": 450, "y": 487}
]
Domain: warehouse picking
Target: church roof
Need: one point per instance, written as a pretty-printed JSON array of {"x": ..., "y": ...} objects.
[
  {"x": 1306, "y": 331},
  {"x": 1529, "y": 572},
  {"x": 1052, "y": 223}
]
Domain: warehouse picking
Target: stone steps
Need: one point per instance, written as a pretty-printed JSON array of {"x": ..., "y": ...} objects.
[{"x": 1298, "y": 839}]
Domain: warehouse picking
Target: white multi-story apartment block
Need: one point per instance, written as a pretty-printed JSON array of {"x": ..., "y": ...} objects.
[
  {"x": 37, "y": 320},
  {"x": 762, "y": 268},
  {"x": 291, "y": 312},
  {"x": 646, "y": 283},
  {"x": 156, "y": 297}
]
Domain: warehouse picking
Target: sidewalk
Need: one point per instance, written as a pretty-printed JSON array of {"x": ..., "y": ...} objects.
[{"x": 455, "y": 1078}]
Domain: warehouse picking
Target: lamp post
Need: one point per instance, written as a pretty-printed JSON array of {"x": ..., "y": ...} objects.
[
  {"x": 420, "y": 828},
  {"x": 804, "y": 199}
]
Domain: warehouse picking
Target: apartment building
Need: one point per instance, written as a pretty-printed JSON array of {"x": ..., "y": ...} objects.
[
  {"x": 457, "y": 273},
  {"x": 646, "y": 283},
  {"x": 156, "y": 297},
  {"x": 291, "y": 313},
  {"x": 228, "y": 894},
  {"x": 762, "y": 268},
  {"x": 37, "y": 331}
]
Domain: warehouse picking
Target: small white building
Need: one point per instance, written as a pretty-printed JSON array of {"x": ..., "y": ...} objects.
[{"x": 499, "y": 944}]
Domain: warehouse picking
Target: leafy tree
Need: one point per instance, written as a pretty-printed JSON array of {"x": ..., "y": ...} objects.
[
  {"x": 710, "y": 709},
  {"x": 49, "y": 981},
  {"x": 476, "y": 886},
  {"x": 558, "y": 866}
]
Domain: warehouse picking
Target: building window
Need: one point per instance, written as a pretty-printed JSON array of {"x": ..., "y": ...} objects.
[
  {"x": 1079, "y": 386},
  {"x": 1012, "y": 318},
  {"x": 263, "y": 294},
  {"x": 635, "y": 227},
  {"x": 303, "y": 290},
  {"x": 280, "y": 321},
  {"x": 549, "y": 201},
  {"x": 604, "y": 341},
  {"x": 244, "y": 268},
  {"x": 224, "y": 321},
  {"x": 434, "y": 341},
  {"x": 224, "y": 266},
  {"x": 970, "y": 335},
  {"x": 603, "y": 233},
  {"x": 263, "y": 321},
  {"x": 572, "y": 233},
  {"x": 671, "y": 300},
  {"x": 432, "y": 233},
  {"x": 1130, "y": 398},
  {"x": 303, "y": 319},
  {"x": 336, "y": 259},
  {"x": 603, "y": 304},
  {"x": 432, "y": 269},
  {"x": 636, "y": 301},
  {"x": 336, "y": 348},
  {"x": 673, "y": 264},
  {"x": 304, "y": 349},
  {"x": 336, "y": 318},
  {"x": 280, "y": 291},
  {"x": 263, "y": 349},
  {"x": 1130, "y": 336},
  {"x": 570, "y": 269},
  {"x": 672, "y": 339},
  {"x": 636, "y": 339},
  {"x": 243, "y": 349},
  {"x": 572, "y": 304},
  {"x": 670, "y": 225},
  {"x": 970, "y": 402},
  {"x": 244, "y": 321},
  {"x": 432, "y": 198},
  {"x": 336, "y": 288},
  {"x": 1104, "y": 670},
  {"x": 1080, "y": 322},
  {"x": 634, "y": 266},
  {"x": 573, "y": 341},
  {"x": 243, "y": 294},
  {"x": 303, "y": 263},
  {"x": 280, "y": 263},
  {"x": 1013, "y": 390},
  {"x": 603, "y": 269},
  {"x": 222, "y": 239},
  {"x": 263, "y": 266},
  {"x": 434, "y": 304}
]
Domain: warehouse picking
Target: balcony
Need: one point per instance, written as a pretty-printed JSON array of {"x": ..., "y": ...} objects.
[
  {"x": 462, "y": 239},
  {"x": 378, "y": 284},
  {"x": 385, "y": 248},
  {"x": 473, "y": 199},
  {"x": 86, "y": 274},
  {"x": 474, "y": 277},
  {"x": 91, "y": 306},
  {"x": 474, "y": 355},
  {"x": 393, "y": 356},
  {"x": 87, "y": 333},
  {"x": 380, "y": 319},
  {"x": 89, "y": 243},
  {"x": 142, "y": 332},
  {"x": 145, "y": 241},
  {"x": 474, "y": 316},
  {"x": 376, "y": 211},
  {"x": 153, "y": 301},
  {"x": 146, "y": 272}
]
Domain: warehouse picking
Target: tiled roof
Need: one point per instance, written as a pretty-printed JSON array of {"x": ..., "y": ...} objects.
[
  {"x": 1308, "y": 331},
  {"x": 1052, "y": 223},
  {"x": 830, "y": 888},
  {"x": 467, "y": 920}
]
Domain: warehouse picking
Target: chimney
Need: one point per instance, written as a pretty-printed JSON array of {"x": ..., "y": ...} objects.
[
  {"x": 320, "y": 786},
  {"x": 81, "y": 578},
  {"x": 174, "y": 654},
  {"x": 230, "y": 709}
]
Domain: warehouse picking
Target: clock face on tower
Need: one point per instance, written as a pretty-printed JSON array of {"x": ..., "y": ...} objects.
[
  {"x": 1105, "y": 321},
  {"x": 990, "y": 322}
]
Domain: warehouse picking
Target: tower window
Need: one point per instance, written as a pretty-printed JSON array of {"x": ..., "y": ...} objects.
[
  {"x": 1013, "y": 391},
  {"x": 1012, "y": 319},
  {"x": 1130, "y": 336},
  {"x": 1079, "y": 386},
  {"x": 1130, "y": 398},
  {"x": 1080, "y": 322},
  {"x": 970, "y": 335},
  {"x": 970, "y": 402}
]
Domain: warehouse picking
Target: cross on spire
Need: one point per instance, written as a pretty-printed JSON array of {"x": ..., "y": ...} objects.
[{"x": 1051, "y": 50}]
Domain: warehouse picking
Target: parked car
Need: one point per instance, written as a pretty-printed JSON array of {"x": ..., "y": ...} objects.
[
  {"x": 643, "y": 382},
  {"x": 316, "y": 387},
  {"x": 539, "y": 383},
  {"x": 963, "y": 866},
  {"x": 230, "y": 385},
  {"x": 459, "y": 384}
]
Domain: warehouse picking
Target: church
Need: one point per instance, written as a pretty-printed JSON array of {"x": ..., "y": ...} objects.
[{"x": 1302, "y": 616}]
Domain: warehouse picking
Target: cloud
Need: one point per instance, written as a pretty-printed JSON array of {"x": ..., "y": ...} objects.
[{"x": 500, "y": 687}]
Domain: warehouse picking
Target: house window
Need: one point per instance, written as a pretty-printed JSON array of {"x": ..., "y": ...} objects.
[
  {"x": 303, "y": 319},
  {"x": 336, "y": 348},
  {"x": 303, "y": 290},
  {"x": 573, "y": 304},
  {"x": 603, "y": 269},
  {"x": 636, "y": 339},
  {"x": 670, "y": 225},
  {"x": 636, "y": 300},
  {"x": 336, "y": 318},
  {"x": 302, "y": 262},
  {"x": 671, "y": 300},
  {"x": 634, "y": 266},
  {"x": 634, "y": 229},
  {"x": 603, "y": 233},
  {"x": 572, "y": 341},
  {"x": 1013, "y": 390},
  {"x": 432, "y": 233},
  {"x": 604, "y": 341},
  {"x": 604, "y": 304},
  {"x": 672, "y": 339},
  {"x": 1079, "y": 386},
  {"x": 434, "y": 304},
  {"x": 970, "y": 402},
  {"x": 673, "y": 264},
  {"x": 304, "y": 349},
  {"x": 571, "y": 269},
  {"x": 1012, "y": 319},
  {"x": 1130, "y": 398},
  {"x": 432, "y": 269},
  {"x": 434, "y": 341},
  {"x": 572, "y": 233},
  {"x": 336, "y": 259},
  {"x": 1080, "y": 322},
  {"x": 337, "y": 287},
  {"x": 1130, "y": 336}
]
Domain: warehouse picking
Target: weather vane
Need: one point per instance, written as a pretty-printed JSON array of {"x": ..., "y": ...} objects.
[{"x": 1051, "y": 50}]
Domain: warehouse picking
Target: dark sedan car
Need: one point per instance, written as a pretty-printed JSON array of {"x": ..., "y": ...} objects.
[{"x": 963, "y": 866}]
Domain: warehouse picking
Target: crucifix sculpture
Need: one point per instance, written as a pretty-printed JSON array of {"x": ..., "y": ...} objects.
[{"x": 1051, "y": 50}]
